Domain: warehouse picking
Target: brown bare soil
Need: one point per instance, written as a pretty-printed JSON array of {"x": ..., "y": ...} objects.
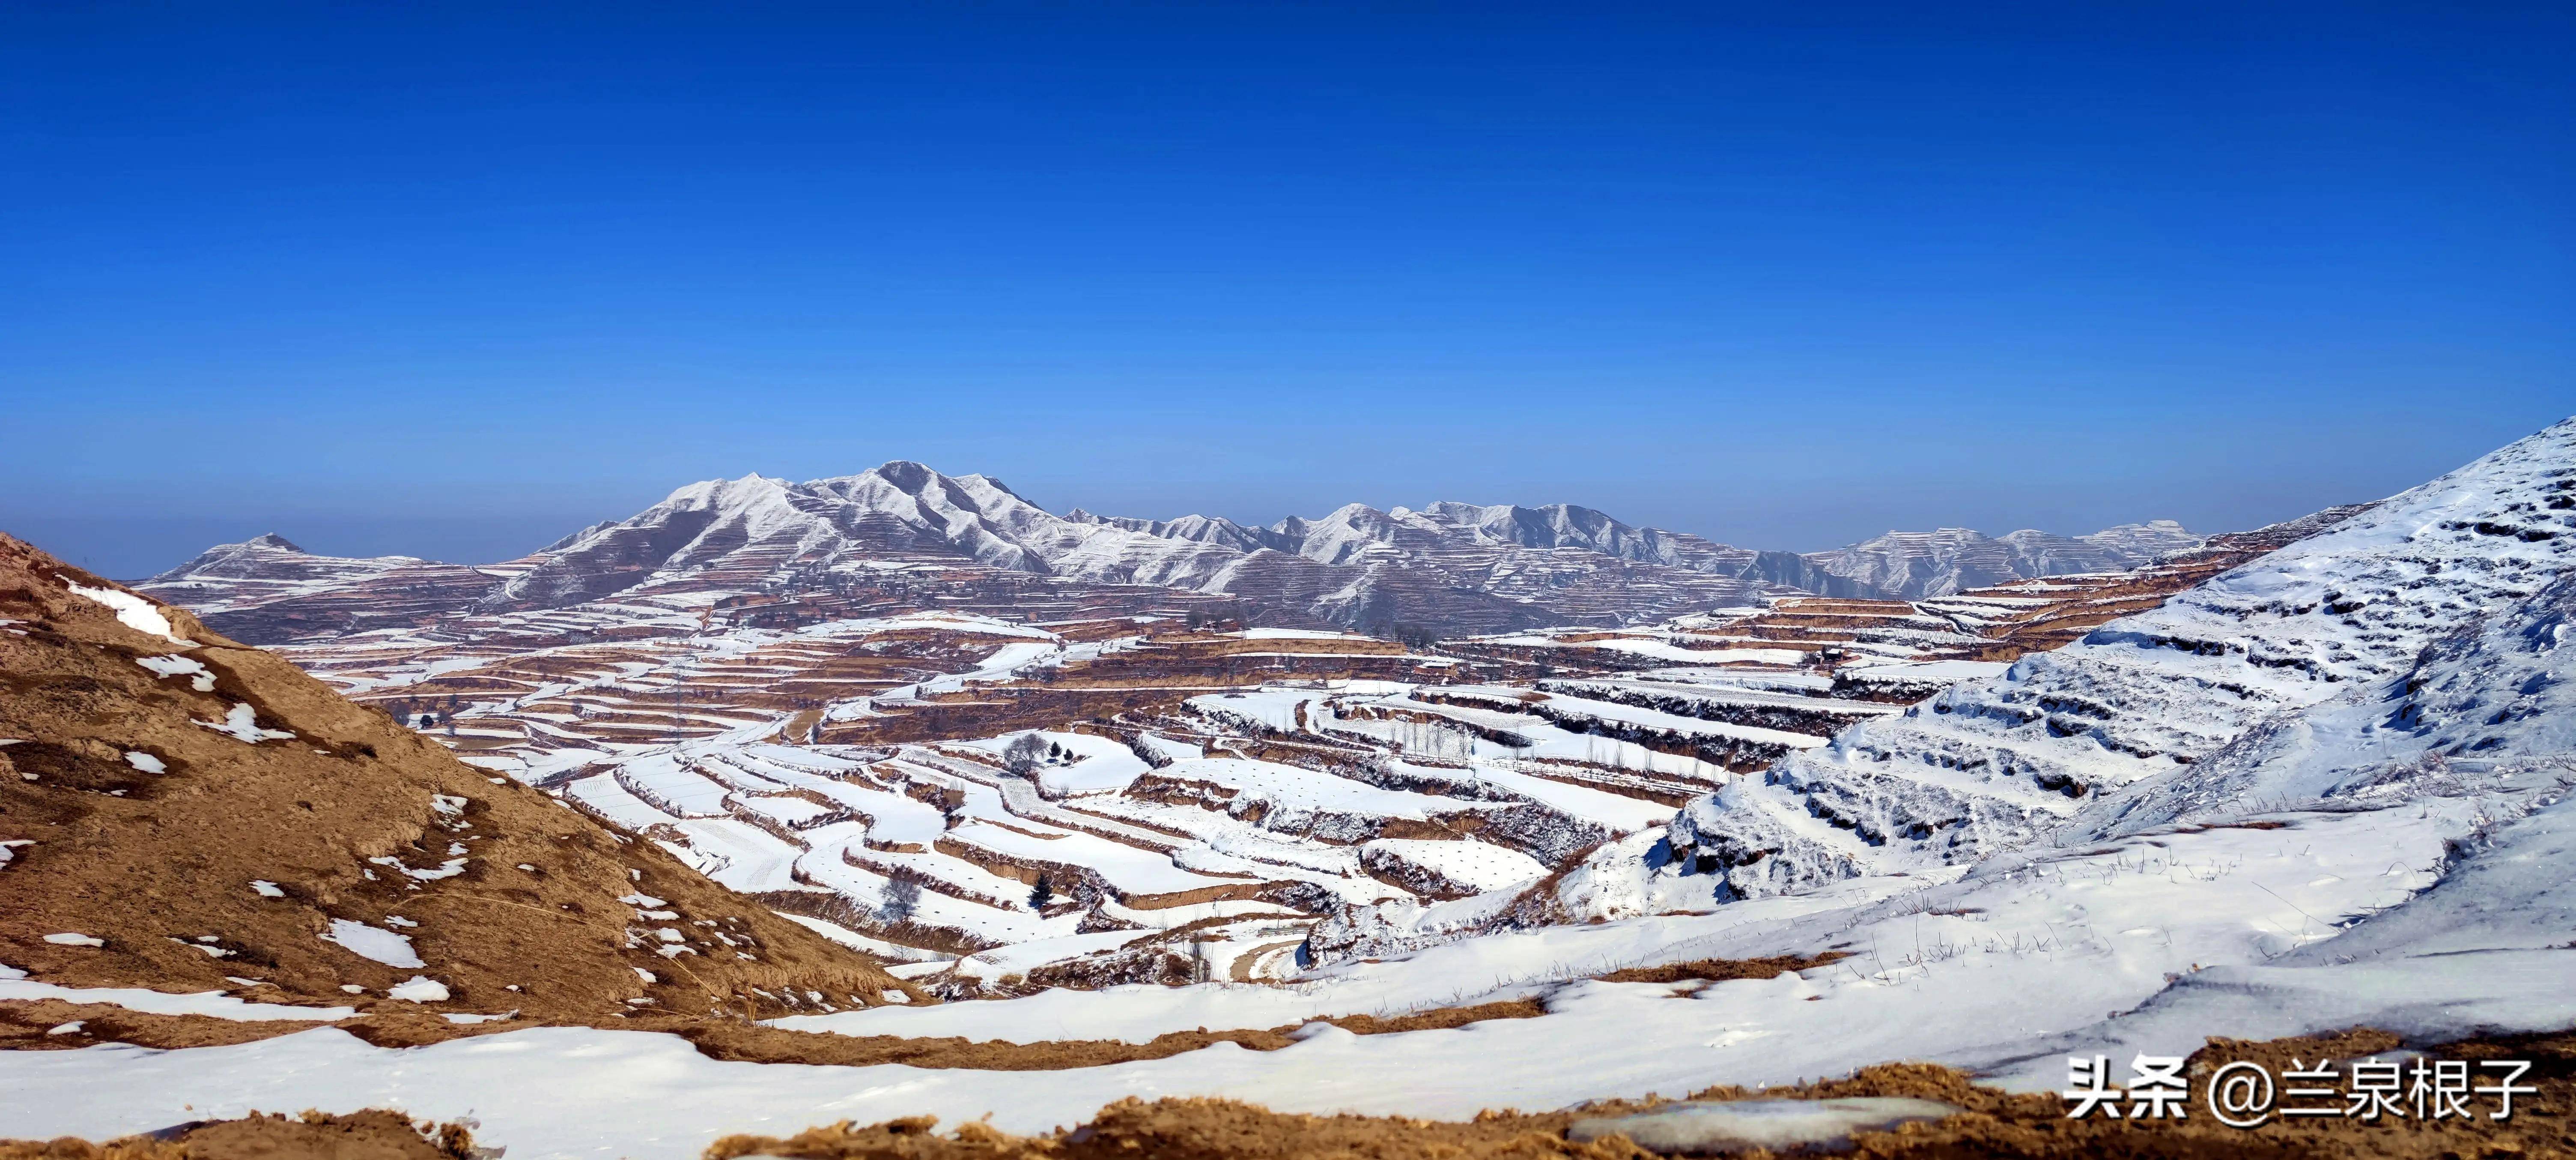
[
  {"x": 28, "y": 1025},
  {"x": 514, "y": 901},
  {"x": 753, "y": 1043},
  {"x": 369, "y": 1135},
  {"x": 1440, "y": 1019},
  {"x": 1718, "y": 970},
  {"x": 1188, "y": 1129}
]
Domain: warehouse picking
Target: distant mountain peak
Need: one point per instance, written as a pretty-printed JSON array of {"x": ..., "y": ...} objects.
[
  {"x": 272, "y": 556},
  {"x": 905, "y": 475},
  {"x": 1448, "y": 564}
]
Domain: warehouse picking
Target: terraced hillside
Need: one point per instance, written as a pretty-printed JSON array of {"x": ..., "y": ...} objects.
[
  {"x": 1995, "y": 763},
  {"x": 1186, "y": 803},
  {"x": 812, "y": 693}
]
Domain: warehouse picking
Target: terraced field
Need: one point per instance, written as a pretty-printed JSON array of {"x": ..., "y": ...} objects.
[
  {"x": 1009, "y": 781},
  {"x": 1195, "y": 802}
]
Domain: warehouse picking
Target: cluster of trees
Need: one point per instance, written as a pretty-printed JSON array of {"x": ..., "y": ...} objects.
[
  {"x": 1412, "y": 636},
  {"x": 1028, "y": 751},
  {"x": 903, "y": 899}
]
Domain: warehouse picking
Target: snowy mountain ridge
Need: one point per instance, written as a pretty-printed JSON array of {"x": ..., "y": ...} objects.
[
  {"x": 1449, "y": 567},
  {"x": 266, "y": 556},
  {"x": 2198, "y": 704},
  {"x": 985, "y": 519}
]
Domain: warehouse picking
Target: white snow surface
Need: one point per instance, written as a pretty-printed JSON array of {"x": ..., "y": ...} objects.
[
  {"x": 1478, "y": 865},
  {"x": 1098, "y": 764},
  {"x": 241, "y": 723},
  {"x": 2264, "y": 650},
  {"x": 384, "y": 946},
  {"x": 1982, "y": 968},
  {"x": 1925, "y": 671},
  {"x": 133, "y": 612},
  {"x": 199, "y": 677},
  {"x": 418, "y": 989},
  {"x": 1289, "y": 788},
  {"x": 14, "y": 984}
]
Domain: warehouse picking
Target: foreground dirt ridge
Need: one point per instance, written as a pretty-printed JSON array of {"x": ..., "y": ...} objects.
[
  {"x": 184, "y": 813},
  {"x": 1991, "y": 1124},
  {"x": 56, "y": 1025},
  {"x": 60, "y": 1025}
]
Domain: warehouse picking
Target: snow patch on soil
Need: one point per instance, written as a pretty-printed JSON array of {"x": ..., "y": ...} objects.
[
  {"x": 369, "y": 942},
  {"x": 241, "y": 723},
  {"x": 133, "y": 612},
  {"x": 418, "y": 989},
  {"x": 199, "y": 677}
]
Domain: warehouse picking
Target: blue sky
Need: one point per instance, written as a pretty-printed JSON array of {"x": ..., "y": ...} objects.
[{"x": 454, "y": 280}]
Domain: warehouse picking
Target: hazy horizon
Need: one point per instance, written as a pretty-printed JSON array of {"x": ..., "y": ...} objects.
[{"x": 133, "y": 548}]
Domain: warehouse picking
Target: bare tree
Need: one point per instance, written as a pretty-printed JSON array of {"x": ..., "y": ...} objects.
[
  {"x": 1023, "y": 754},
  {"x": 902, "y": 897}
]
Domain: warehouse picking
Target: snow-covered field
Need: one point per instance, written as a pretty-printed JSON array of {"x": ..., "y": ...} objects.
[
  {"x": 2329, "y": 787},
  {"x": 2146, "y": 943}
]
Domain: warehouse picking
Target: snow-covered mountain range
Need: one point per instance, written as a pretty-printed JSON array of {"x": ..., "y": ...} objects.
[
  {"x": 1447, "y": 568},
  {"x": 1449, "y": 565}
]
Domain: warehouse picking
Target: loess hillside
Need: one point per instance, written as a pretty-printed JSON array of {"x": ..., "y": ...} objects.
[{"x": 180, "y": 812}]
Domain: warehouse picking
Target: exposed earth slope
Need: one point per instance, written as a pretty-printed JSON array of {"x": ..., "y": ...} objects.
[{"x": 180, "y": 812}]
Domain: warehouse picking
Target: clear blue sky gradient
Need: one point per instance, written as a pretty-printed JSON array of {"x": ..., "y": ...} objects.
[{"x": 454, "y": 280}]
